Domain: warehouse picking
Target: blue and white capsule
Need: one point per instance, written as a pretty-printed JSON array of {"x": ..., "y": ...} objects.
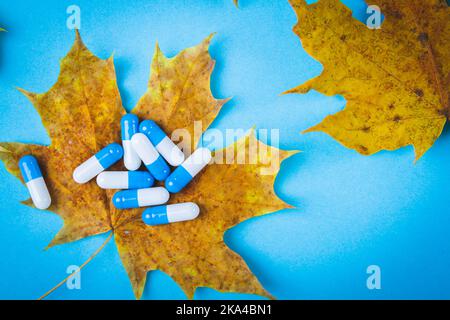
[
  {"x": 150, "y": 156},
  {"x": 129, "y": 126},
  {"x": 188, "y": 170},
  {"x": 168, "y": 150},
  {"x": 171, "y": 213},
  {"x": 129, "y": 199},
  {"x": 99, "y": 162},
  {"x": 125, "y": 180},
  {"x": 35, "y": 182}
]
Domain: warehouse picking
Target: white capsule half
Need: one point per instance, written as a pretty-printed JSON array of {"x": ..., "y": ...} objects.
[
  {"x": 152, "y": 196},
  {"x": 169, "y": 150},
  {"x": 183, "y": 174},
  {"x": 131, "y": 159},
  {"x": 144, "y": 148},
  {"x": 150, "y": 156},
  {"x": 87, "y": 170},
  {"x": 39, "y": 193},
  {"x": 129, "y": 127},
  {"x": 197, "y": 161}
]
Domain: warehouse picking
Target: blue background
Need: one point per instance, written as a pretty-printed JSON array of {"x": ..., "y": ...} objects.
[{"x": 351, "y": 211}]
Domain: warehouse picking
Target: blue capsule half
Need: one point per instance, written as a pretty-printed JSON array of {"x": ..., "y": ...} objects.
[
  {"x": 35, "y": 182},
  {"x": 129, "y": 126},
  {"x": 29, "y": 168}
]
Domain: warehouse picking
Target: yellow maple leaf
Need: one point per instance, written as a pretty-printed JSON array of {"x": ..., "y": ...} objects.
[
  {"x": 395, "y": 79},
  {"x": 82, "y": 112}
]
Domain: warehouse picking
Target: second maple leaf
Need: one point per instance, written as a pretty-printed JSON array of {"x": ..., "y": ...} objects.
[{"x": 395, "y": 79}]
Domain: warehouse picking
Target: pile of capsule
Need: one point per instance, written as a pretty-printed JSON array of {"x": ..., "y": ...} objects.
[{"x": 145, "y": 143}]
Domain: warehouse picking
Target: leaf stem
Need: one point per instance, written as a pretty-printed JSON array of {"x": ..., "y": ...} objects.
[{"x": 79, "y": 269}]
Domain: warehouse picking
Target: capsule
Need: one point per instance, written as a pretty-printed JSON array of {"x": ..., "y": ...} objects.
[
  {"x": 188, "y": 170},
  {"x": 169, "y": 150},
  {"x": 129, "y": 126},
  {"x": 34, "y": 181},
  {"x": 171, "y": 213},
  {"x": 128, "y": 199},
  {"x": 151, "y": 158},
  {"x": 125, "y": 180},
  {"x": 102, "y": 160}
]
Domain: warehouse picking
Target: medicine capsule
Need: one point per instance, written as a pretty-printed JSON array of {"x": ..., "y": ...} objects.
[
  {"x": 151, "y": 158},
  {"x": 169, "y": 150},
  {"x": 188, "y": 170},
  {"x": 128, "y": 199},
  {"x": 125, "y": 180},
  {"x": 129, "y": 126},
  {"x": 34, "y": 181},
  {"x": 102, "y": 160},
  {"x": 171, "y": 213}
]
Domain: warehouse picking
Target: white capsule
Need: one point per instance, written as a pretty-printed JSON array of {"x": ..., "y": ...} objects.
[
  {"x": 171, "y": 213},
  {"x": 34, "y": 181},
  {"x": 97, "y": 163},
  {"x": 125, "y": 180},
  {"x": 128, "y": 199}
]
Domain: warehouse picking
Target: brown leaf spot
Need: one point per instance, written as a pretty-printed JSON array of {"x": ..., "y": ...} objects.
[
  {"x": 418, "y": 92},
  {"x": 396, "y": 14},
  {"x": 423, "y": 37},
  {"x": 362, "y": 149}
]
